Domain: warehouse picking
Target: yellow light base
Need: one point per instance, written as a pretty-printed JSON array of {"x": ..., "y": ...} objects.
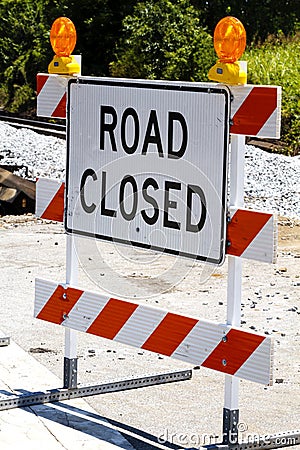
[
  {"x": 229, "y": 73},
  {"x": 64, "y": 65}
]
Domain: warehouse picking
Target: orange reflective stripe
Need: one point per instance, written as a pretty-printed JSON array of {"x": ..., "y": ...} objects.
[
  {"x": 243, "y": 228},
  {"x": 233, "y": 352},
  {"x": 60, "y": 110},
  {"x": 59, "y": 304},
  {"x": 55, "y": 209},
  {"x": 40, "y": 82},
  {"x": 169, "y": 334},
  {"x": 112, "y": 318}
]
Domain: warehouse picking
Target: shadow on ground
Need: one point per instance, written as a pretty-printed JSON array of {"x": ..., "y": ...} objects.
[{"x": 95, "y": 425}]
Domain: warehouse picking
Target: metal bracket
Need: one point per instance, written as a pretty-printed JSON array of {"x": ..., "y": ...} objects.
[
  {"x": 55, "y": 395},
  {"x": 230, "y": 426},
  {"x": 4, "y": 341},
  {"x": 70, "y": 373}
]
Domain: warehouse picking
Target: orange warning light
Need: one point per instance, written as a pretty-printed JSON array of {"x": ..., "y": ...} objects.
[
  {"x": 63, "y": 36},
  {"x": 229, "y": 43},
  {"x": 229, "y": 39},
  {"x": 63, "y": 40}
]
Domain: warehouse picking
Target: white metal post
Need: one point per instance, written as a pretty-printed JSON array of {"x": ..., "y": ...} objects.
[
  {"x": 70, "y": 359},
  {"x": 234, "y": 289}
]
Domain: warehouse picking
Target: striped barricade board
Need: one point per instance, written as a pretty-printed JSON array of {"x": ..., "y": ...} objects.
[
  {"x": 255, "y": 110},
  {"x": 250, "y": 234},
  {"x": 51, "y": 95},
  {"x": 216, "y": 346},
  {"x": 50, "y": 199}
]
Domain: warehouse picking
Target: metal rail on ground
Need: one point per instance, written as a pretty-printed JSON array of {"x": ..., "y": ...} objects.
[
  {"x": 39, "y": 126},
  {"x": 55, "y": 395}
]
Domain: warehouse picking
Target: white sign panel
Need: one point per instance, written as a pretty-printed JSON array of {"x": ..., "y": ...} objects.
[{"x": 147, "y": 164}]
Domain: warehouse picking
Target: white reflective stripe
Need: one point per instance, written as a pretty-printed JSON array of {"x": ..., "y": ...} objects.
[
  {"x": 85, "y": 311},
  {"x": 43, "y": 291},
  {"x": 263, "y": 247},
  {"x": 51, "y": 94},
  {"x": 200, "y": 342},
  {"x": 140, "y": 326},
  {"x": 240, "y": 93},
  {"x": 272, "y": 126},
  {"x": 46, "y": 189},
  {"x": 259, "y": 366}
]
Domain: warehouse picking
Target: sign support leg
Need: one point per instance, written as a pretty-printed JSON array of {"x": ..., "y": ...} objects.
[
  {"x": 234, "y": 291},
  {"x": 70, "y": 358}
]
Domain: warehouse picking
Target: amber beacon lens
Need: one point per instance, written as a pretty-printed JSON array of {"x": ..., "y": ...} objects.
[
  {"x": 63, "y": 36},
  {"x": 229, "y": 39}
]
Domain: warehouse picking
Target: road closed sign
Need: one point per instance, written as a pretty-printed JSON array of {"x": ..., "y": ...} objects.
[{"x": 147, "y": 164}]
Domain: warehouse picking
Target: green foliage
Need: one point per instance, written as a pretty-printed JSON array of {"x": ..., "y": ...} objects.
[
  {"x": 164, "y": 40},
  {"x": 98, "y": 25},
  {"x": 260, "y": 18},
  {"x": 22, "y": 48},
  {"x": 25, "y": 48},
  {"x": 277, "y": 62},
  {"x": 24, "y": 98}
]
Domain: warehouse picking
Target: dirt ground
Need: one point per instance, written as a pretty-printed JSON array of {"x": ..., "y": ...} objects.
[{"x": 289, "y": 235}]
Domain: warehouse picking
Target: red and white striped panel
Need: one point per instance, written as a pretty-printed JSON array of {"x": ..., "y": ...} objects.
[
  {"x": 220, "y": 347},
  {"x": 256, "y": 111},
  {"x": 52, "y": 95},
  {"x": 50, "y": 199},
  {"x": 252, "y": 235}
]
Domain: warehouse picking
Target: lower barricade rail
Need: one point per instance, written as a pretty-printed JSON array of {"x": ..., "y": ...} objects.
[{"x": 56, "y": 395}]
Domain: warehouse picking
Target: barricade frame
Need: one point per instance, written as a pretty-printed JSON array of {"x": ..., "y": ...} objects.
[{"x": 231, "y": 388}]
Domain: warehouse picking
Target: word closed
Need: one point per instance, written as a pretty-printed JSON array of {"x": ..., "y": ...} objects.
[{"x": 128, "y": 189}]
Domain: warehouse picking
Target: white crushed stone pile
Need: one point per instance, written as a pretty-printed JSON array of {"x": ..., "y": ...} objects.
[
  {"x": 45, "y": 156},
  {"x": 272, "y": 182}
]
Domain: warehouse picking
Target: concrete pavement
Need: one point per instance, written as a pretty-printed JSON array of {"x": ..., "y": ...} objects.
[
  {"x": 67, "y": 425},
  {"x": 181, "y": 414}
]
